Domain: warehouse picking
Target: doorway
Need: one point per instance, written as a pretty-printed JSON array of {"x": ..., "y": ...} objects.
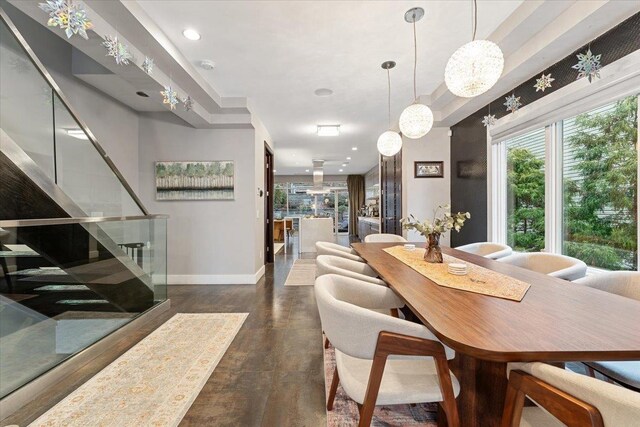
[
  {"x": 391, "y": 195},
  {"x": 268, "y": 204}
]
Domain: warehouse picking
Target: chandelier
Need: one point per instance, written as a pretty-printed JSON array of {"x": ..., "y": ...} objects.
[
  {"x": 390, "y": 142},
  {"x": 417, "y": 119},
  {"x": 475, "y": 67}
]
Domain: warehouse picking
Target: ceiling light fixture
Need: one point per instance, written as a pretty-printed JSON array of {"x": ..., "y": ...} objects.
[
  {"x": 475, "y": 67},
  {"x": 344, "y": 164},
  {"x": 390, "y": 142},
  {"x": 417, "y": 119},
  {"x": 78, "y": 134},
  {"x": 191, "y": 34},
  {"x": 340, "y": 170},
  {"x": 323, "y": 91},
  {"x": 348, "y": 158},
  {"x": 328, "y": 130},
  {"x": 354, "y": 148},
  {"x": 207, "y": 64},
  {"x": 306, "y": 170}
]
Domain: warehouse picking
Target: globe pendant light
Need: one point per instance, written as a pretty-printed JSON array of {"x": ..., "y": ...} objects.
[
  {"x": 390, "y": 142},
  {"x": 475, "y": 67},
  {"x": 417, "y": 119}
]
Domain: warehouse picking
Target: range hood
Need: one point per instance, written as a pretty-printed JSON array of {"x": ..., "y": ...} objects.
[{"x": 318, "y": 179}]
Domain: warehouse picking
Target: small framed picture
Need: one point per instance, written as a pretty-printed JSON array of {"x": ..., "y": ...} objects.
[{"x": 428, "y": 169}]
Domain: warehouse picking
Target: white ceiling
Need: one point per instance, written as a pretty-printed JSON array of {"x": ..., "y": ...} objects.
[{"x": 276, "y": 53}]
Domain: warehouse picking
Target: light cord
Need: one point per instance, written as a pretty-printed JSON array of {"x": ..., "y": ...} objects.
[
  {"x": 389, "y": 96},
  {"x": 415, "y": 58},
  {"x": 475, "y": 19}
]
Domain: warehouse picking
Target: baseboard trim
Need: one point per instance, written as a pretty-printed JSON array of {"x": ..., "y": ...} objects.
[
  {"x": 215, "y": 279},
  {"x": 25, "y": 394}
]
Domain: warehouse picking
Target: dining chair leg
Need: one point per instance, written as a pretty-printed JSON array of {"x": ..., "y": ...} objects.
[
  {"x": 334, "y": 388},
  {"x": 326, "y": 343},
  {"x": 371, "y": 395},
  {"x": 590, "y": 371},
  {"x": 513, "y": 404},
  {"x": 394, "y": 312},
  {"x": 446, "y": 388}
]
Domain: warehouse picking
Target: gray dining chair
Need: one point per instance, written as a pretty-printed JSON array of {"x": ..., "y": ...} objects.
[
  {"x": 382, "y": 360},
  {"x": 626, "y": 284},
  {"x": 487, "y": 249},
  {"x": 566, "y": 398},
  {"x": 384, "y": 238},
  {"x": 328, "y": 248},
  {"x": 560, "y": 266}
]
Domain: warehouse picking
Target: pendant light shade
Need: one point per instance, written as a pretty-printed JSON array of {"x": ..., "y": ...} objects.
[
  {"x": 389, "y": 143},
  {"x": 474, "y": 68},
  {"x": 416, "y": 121}
]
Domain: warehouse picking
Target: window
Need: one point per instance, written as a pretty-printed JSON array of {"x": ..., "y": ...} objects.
[
  {"x": 571, "y": 187},
  {"x": 525, "y": 191},
  {"x": 600, "y": 163}
]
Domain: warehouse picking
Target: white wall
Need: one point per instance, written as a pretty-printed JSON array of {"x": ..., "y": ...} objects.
[
  {"x": 420, "y": 196},
  {"x": 209, "y": 242}
]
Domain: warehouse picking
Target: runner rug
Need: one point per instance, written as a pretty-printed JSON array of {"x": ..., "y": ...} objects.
[
  {"x": 345, "y": 410},
  {"x": 302, "y": 273},
  {"x": 156, "y": 381}
]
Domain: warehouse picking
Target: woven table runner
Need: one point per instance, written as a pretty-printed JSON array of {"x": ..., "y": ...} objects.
[{"x": 478, "y": 279}]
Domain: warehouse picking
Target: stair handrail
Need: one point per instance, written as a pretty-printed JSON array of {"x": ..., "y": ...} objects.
[
  {"x": 13, "y": 223},
  {"x": 47, "y": 77}
]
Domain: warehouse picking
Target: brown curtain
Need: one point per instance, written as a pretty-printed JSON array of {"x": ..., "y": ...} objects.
[{"x": 355, "y": 185}]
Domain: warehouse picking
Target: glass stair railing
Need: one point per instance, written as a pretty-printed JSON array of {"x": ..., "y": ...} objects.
[
  {"x": 62, "y": 289},
  {"x": 35, "y": 116}
]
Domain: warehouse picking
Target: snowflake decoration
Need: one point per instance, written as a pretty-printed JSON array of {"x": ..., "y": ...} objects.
[
  {"x": 147, "y": 65},
  {"x": 70, "y": 17},
  {"x": 489, "y": 120},
  {"x": 512, "y": 103},
  {"x": 119, "y": 51},
  {"x": 170, "y": 97},
  {"x": 187, "y": 103},
  {"x": 588, "y": 65},
  {"x": 543, "y": 82}
]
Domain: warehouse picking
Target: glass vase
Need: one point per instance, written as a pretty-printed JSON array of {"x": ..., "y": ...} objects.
[{"x": 433, "y": 254}]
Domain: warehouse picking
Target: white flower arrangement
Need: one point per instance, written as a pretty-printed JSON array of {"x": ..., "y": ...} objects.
[{"x": 439, "y": 225}]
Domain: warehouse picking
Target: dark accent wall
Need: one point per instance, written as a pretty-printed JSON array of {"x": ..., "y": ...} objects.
[{"x": 469, "y": 138}]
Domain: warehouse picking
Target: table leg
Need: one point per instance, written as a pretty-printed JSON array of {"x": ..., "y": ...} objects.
[{"x": 483, "y": 386}]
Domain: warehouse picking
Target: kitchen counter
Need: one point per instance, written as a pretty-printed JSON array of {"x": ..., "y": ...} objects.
[
  {"x": 371, "y": 219},
  {"x": 368, "y": 225}
]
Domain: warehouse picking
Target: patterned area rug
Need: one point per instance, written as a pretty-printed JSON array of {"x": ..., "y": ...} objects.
[
  {"x": 156, "y": 381},
  {"x": 302, "y": 273},
  {"x": 345, "y": 410}
]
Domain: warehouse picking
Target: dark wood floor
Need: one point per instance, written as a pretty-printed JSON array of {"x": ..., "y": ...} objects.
[{"x": 271, "y": 374}]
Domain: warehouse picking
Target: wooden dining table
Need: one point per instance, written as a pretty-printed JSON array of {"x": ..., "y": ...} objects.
[{"x": 556, "y": 321}]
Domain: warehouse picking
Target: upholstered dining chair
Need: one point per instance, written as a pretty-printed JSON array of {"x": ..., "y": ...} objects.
[
  {"x": 366, "y": 342},
  {"x": 328, "y": 248},
  {"x": 560, "y": 266},
  {"x": 330, "y": 264},
  {"x": 626, "y": 284},
  {"x": 487, "y": 249},
  {"x": 384, "y": 238},
  {"x": 566, "y": 398}
]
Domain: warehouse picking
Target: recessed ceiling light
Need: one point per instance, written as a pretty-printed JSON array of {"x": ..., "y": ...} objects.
[
  {"x": 142, "y": 94},
  {"x": 306, "y": 170},
  {"x": 207, "y": 64},
  {"x": 78, "y": 134},
  {"x": 354, "y": 148},
  {"x": 339, "y": 170},
  {"x": 323, "y": 91},
  {"x": 344, "y": 164},
  {"x": 191, "y": 34},
  {"x": 348, "y": 158},
  {"x": 328, "y": 130}
]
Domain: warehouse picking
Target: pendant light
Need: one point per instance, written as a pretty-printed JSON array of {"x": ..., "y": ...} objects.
[
  {"x": 390, "y": 142},
  {"x": 417, "y": 119},
  {"x": 475, "y": 67}
]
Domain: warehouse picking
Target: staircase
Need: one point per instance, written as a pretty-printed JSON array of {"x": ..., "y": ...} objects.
[{"x": 80, "y": 256}]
